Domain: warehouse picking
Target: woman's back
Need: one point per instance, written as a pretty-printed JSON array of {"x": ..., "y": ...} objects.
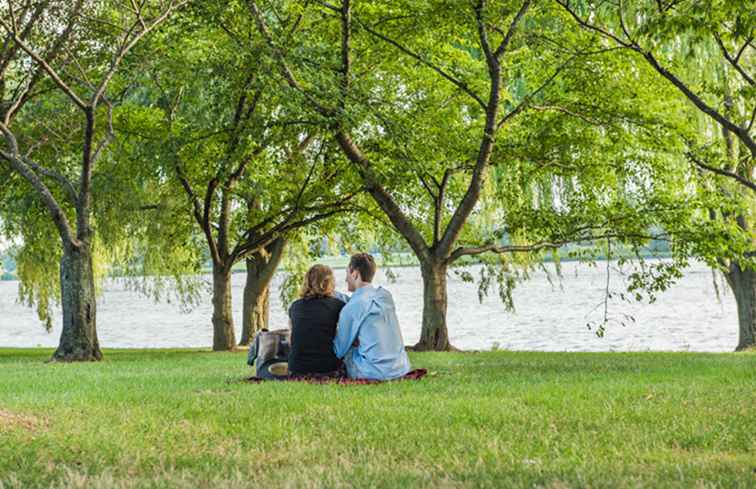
[{"x": 313, "y": 327}]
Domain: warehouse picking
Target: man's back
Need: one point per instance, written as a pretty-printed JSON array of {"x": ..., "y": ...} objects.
[{"x": 370, "y": 318}]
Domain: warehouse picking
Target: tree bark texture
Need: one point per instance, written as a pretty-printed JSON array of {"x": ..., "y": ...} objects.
[
  {"x": 224, "y": 337},
  {"x": 78, "y": 339},
  {"x": 743, "y": 284},
  {"x": 261, "y": 267},
  {"x": 434, "y": 335}
]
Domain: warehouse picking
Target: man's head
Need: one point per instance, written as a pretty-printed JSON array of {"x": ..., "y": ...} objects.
[{"x": 360, "y": 271}]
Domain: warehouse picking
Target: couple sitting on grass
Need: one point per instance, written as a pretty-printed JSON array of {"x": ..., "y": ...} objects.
[{"x": 331, "y": 331}]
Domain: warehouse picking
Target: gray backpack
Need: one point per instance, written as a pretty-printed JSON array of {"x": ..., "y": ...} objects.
[{"x": 269, "y": 353}]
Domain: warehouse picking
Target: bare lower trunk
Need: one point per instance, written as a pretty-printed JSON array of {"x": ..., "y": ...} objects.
[
  {"x": 256, "y": 313},
  {"x": 261, "y": 267},
  {"x": 78, "y": 339},
  {"x": 224, "y": 338},
  {"x": 435, "y": 334},
  {"x": 743, "y": 284}
]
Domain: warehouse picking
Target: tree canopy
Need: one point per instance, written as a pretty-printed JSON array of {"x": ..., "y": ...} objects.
[{"x": 151, "y": 136}]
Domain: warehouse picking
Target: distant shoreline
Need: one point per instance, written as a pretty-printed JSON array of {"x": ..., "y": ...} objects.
[{"x": 400, "y": 260}]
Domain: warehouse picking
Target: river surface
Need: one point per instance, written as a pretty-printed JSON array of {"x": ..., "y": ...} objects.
[{"x": 548, "y": 317}]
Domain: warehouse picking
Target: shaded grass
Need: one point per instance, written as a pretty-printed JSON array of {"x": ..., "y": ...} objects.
[{"x": 173, "y": 418}]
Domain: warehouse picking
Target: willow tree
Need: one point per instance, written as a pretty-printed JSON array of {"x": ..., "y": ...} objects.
[
  {"x": 425, "y": 99},
  {"x": 251, "y": 171},
  {"x": 704, "y": 51},
  {"x": 67, "y": 54}
]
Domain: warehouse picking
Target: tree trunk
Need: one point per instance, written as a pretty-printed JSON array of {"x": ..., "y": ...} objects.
[
  {"x": 261, "y": 267},
  {"x": 743, "y": 284},
  {"x": 256, "y": 315},
  {"x": 435, "y": 334},
  {"x": 78, "y": 339},
  {"x": 224, "y": 338}
]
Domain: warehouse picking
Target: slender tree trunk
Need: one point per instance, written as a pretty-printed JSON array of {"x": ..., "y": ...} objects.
[
  {"x": 78, "y": 340},
  {"x": 434, "y": 334},
  {"x": 743, "y": 284},
  {"x": 261, "y": 267},
  {"x": 224, "y": 338}
]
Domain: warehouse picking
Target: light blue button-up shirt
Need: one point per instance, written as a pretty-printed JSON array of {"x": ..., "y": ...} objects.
[{"x": 370, "y": 317}]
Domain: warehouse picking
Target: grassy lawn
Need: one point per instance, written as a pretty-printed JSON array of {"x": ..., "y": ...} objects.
[{"x": 168, "y": 419}]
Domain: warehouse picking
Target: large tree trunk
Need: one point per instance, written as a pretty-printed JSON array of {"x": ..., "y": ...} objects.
[
  {"x": 261, "y": 267},
  {"x": 435, "y": 334},
  {"x": 256, "y": 315},
  {"x": 743, "y": 284},
  {"x": 78, "y": 340},
  {"x": 224, "y": 338}
]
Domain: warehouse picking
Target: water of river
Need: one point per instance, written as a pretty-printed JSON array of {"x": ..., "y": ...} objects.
[{"x": 689, "y": 316}]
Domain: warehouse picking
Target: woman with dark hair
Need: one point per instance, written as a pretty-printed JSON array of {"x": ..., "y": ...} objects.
[{"x": 314, "y": 317}]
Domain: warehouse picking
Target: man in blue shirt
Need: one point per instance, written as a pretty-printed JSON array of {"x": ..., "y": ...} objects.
[{"x": 368, "y": 337}]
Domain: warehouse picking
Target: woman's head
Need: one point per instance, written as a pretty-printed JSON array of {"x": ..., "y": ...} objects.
[{"x": 318, "y": 282}]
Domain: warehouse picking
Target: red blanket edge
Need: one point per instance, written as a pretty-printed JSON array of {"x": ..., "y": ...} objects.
[{"x": 415, "y": 374}]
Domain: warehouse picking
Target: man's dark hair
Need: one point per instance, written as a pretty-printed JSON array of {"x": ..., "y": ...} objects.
[{"x": 365, "y": 264}]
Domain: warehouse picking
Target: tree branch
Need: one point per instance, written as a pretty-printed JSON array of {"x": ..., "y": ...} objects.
[
  {"x": 254, "y": 241},
  {"x": 109, "y": 136},
  {"x": 346, "y": 59},
  {"x": 122, "y": 51},
  {"x": 439, "y": 206},
  {"x": 64, "y": 182},
  {"x": 703, "y": 106},
  {"x": 529, "y": 97},
  {"x": 287, "y": 73},
  {"x": 739, "y": 178},
  {"x": 458, "y": 83},
  {"x": 567, "y": 111},
  {"x": 206, "y": 224},
  {"x": 485, "y": 45},
  {"x": 504, "y": 249},
  {"x": 734, "y": 61},
  {"x": 224, "y": 224},
  {"x": 56, "y": 211},
  {"x": 45, "y": 65},
  {"x": 512, "y": 27},
  {"x": 470, "y": 199},
  {"x": 723, "y": 121},
  {"x": 566, "y": 5},
  {"x": 395, "y": 214},
  {"x": 327, "y": 5},
  {"x": 622, "y": 23},
  {"x": 194, "y": 200}
]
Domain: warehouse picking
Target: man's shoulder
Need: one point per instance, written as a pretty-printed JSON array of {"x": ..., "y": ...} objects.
[
  {"x": 384, "y": 295},
  {"x": 383, "y": 291},
  {"x": 358, "y": 302},
  {"x": 355, "y": 303}
]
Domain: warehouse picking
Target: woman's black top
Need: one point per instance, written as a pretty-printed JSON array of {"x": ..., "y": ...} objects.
[{"x": 313, "y": 327}]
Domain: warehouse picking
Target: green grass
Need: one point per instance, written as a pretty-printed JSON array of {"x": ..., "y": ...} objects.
[{"x": 181, "y": 419}]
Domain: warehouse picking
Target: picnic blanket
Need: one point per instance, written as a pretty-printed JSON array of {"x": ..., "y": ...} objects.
[{"x": 341, "y": 379}]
